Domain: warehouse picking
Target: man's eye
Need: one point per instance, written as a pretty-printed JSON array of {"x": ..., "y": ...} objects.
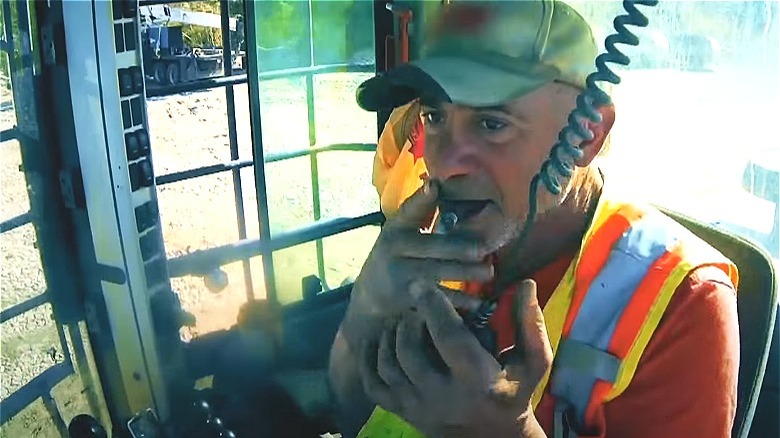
[
  {"x": 491, "y": 124},
  {"x": 433, "y": 118}
]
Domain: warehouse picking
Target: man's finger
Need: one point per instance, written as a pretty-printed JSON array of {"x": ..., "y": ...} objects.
[
  {"x": 532, "y": 354},
  {"x": 454, "y": 342},
  {"x": 460, "y": 299},
  {"x": 434, "y": 271},
  {"x": 410, "y": 243},
  {"x": 375, "y": 388},
  {"x": 418, "y": 208},
  {"x": 387, "y": 365},
  {"x": 412, "y": 352}
]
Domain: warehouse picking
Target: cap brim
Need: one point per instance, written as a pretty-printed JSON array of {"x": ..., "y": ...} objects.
[
  {"x": 397, "y": 87},
  {"x": 455, "y": 80}
]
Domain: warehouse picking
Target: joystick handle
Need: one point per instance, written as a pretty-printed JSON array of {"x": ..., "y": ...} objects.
[{"x": 86, "y": 426}]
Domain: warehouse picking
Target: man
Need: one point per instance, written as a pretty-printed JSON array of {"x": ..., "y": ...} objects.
[{"x": 638, "y": 333}]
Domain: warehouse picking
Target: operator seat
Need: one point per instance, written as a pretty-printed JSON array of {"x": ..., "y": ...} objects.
[{"x": 757, "y": 307}]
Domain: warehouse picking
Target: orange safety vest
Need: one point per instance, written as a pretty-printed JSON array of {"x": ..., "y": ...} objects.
[{"x": 604, "y": 311}]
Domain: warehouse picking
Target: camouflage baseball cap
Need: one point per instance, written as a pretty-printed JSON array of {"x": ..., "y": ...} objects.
[{"x": 484, "y": 53}]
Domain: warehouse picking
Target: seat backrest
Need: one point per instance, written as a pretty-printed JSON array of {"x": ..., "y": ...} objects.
[{"x": 756, "y": 306}]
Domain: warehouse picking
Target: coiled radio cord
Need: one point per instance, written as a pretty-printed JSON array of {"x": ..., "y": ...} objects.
[{"x": 560, "y": 162}]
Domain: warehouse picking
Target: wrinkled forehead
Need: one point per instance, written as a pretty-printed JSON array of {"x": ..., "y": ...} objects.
[{"x": 447, "y": 106}]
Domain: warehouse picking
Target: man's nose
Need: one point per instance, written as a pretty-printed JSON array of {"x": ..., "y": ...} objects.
[{"x": 457, "y": 154}]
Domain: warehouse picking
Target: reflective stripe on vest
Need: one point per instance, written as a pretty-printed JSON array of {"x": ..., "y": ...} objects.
[{"x": 605, "y": 309}]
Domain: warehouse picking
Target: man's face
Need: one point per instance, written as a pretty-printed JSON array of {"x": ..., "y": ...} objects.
[{"x": 485, "y": 158}]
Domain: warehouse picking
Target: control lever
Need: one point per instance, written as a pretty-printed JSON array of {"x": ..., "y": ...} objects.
[
  {"x": 144, "y": 425},
  {"x": 86, "y": 426},
  {"x": 206, "y": 424}
]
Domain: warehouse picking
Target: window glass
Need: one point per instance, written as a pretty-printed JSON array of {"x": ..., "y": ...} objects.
[
  {"x": 331, "y": 44},
  {"x": 694, "y": 109}
]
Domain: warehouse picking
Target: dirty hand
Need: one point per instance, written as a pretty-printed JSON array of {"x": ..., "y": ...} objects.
[
  {"x": 429, "y": 369},
  {"x": 403, "y": 255}
]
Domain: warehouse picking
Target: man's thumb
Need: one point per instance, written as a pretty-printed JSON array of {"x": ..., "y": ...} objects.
[
  {"x": 532, "y": 346},
  {"x": 419, "y": 207}
]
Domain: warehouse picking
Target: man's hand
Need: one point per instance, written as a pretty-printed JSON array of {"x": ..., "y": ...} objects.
[
  {"x": 403, "y": 255},
  {"x": 429, "y": 369}
]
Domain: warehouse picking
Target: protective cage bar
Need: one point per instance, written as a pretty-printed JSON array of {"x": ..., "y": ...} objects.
[
  {"x": 15, "y": 222},
  {"x": 163, "y": 2},
  {"x": 24, "y": 306},
  {"x": 106, "y": 164},
  {"x": 203, "y": 262},
  {"x": 179, "y": 266},
  {"x": 41, "y": 385},
  {"x": 235, "y": 165},
  {"x": 7, "y": 49},
  {"x": 271, "y": 158},
  {"x": 9, "y": 134},
  {"x": 239, "y": 79},
  {"x": 230, "y": 100},
  {"x": 227, "y": 81}
]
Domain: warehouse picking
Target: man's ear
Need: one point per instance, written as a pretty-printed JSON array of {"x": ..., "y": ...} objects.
[{"x": 600, "y": 130}]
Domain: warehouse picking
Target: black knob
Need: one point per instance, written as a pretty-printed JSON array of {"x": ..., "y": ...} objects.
[
  {"x": 145, "y": 172},
  {"x": 201, "y": 411},
  {"x": 130, "y": 7},
  {"x": 133, "y": 149},
  {"x": 218, "y": 429},
  {"x": 143, "y": 141},
  {"x": 125, "y": 82},
  {"x": 86, "y": 426},
  {"x": 214, "y": 424},
  {"x": 138, "y": 79}
]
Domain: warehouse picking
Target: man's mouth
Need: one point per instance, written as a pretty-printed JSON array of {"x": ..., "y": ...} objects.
[{"x": 464, "y": 209}]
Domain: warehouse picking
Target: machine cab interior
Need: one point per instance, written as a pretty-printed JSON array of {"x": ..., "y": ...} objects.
[{"x": 187, "y": 197}]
